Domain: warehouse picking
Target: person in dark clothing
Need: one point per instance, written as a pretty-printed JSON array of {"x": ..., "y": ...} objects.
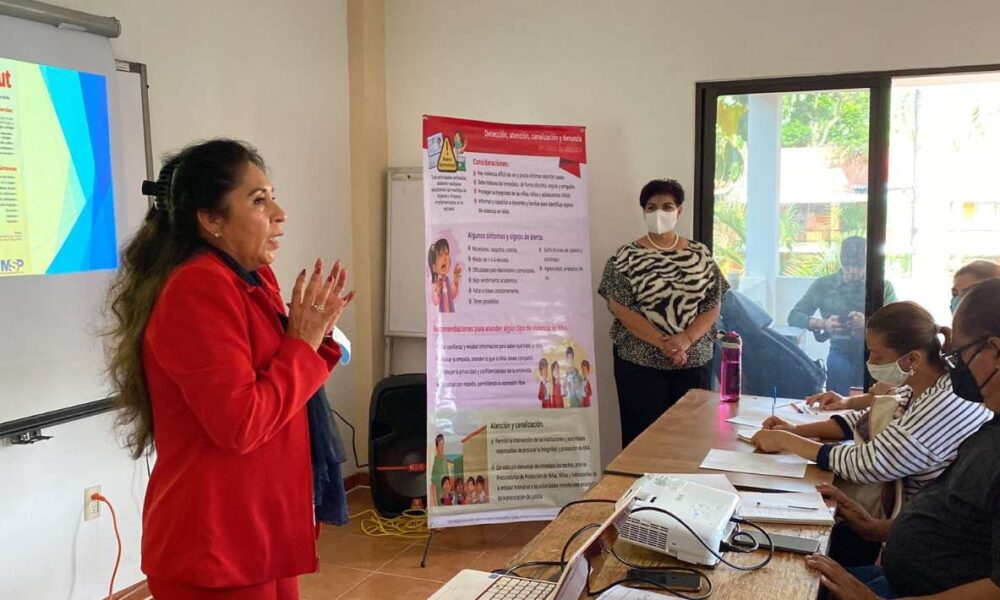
[{"x": 840, "y": 300}]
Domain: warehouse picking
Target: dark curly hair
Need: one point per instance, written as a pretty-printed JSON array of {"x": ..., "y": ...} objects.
[
  {"x": 657, "y": 187},
  {"x": 194, "y": 180}
]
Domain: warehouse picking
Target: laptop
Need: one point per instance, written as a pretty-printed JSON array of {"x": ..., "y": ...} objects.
[{"x": 480, "y": 585}]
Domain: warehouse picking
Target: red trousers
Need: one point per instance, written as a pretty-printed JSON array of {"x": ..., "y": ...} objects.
[{"x": 281, "y": 589}]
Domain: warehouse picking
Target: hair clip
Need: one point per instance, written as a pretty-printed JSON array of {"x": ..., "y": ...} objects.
[{"x": 160, "y": 189}]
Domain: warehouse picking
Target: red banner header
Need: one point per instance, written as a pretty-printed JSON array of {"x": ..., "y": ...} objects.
[{"x": 566, "y": 143}]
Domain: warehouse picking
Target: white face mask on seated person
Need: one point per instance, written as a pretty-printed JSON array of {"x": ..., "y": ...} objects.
[
  {"x": 661, "y": 221},
  {"x": 890, "y": 374}
]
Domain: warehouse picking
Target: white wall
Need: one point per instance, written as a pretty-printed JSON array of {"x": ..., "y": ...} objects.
[
  {"x": 269, "y": 72},
  {"x": 626, "y": 71}
]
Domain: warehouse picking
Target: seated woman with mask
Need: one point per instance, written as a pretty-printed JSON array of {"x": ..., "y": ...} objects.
[
  {"x": 945, "y": 543},
  {"x": 930, "y": 421}
]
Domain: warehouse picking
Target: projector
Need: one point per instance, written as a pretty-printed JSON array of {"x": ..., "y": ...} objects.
[{"x": 704, "y": 509}]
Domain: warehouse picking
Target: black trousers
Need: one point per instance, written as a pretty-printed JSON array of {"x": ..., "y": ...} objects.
[{"x": 645, "y": 393}]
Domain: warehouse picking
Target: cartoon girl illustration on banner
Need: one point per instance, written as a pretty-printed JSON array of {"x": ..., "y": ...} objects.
[{"x": 445, "y": 289}]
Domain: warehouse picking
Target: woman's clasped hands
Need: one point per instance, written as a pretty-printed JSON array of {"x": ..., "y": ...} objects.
[{"x": 316, "y": 306}]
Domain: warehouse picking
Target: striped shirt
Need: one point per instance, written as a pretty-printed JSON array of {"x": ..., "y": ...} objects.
[{"x": 915, "y": 447}]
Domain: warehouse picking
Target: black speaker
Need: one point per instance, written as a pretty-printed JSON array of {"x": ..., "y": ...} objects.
[{"x": 397, "y": 446}]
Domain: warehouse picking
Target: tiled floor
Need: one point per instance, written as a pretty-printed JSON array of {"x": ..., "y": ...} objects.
[{"x": 353, "y": 565}]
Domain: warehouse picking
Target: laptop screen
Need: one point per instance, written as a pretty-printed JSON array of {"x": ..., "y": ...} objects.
[{"x": 574, "y": 578}]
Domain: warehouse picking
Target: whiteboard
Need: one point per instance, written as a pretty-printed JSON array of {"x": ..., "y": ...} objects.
[
  {"x": 128, "y": 101},
  {"x": 405, "y": 254}
]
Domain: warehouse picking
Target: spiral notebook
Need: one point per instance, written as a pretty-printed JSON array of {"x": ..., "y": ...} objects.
[{"x": 805, "y": 508}]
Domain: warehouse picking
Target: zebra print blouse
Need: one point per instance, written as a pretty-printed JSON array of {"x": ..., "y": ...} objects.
[{"x": 670, "y": 289}]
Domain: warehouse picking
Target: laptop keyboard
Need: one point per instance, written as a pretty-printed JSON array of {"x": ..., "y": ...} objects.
[{"x": 516, "y": 588}]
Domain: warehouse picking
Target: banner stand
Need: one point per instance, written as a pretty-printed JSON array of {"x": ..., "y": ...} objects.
[{"x": 512, "y": 425}]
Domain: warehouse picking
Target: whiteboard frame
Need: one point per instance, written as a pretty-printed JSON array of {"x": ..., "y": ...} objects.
[
  {"x": 396, "y": 174},
  {"x": 127, "y": 66}
]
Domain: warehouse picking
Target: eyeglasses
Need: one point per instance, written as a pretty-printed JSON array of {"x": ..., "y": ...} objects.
[{"x": 954, "y": 358}]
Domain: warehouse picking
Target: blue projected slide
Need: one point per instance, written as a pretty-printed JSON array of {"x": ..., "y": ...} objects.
[{"x": 56, "y": 193}]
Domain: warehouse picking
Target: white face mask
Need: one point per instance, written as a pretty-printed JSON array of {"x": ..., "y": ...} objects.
[
  {"x": 890, "y": 374},
  {"x": 661, "y": 221}
]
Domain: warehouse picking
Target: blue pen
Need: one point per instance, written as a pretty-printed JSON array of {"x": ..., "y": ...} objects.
[{"x": 774, "y": 398}]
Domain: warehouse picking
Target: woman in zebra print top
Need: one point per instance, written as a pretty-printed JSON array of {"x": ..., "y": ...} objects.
[{"x": 665, "y": 293}]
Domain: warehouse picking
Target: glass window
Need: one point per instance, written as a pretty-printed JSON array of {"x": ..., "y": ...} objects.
[
  {"x": 942, "y": 199},
  {"x": 789, "y": 228}
]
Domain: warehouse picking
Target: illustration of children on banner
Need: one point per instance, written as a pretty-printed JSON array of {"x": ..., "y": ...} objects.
[
  {"x": 562, "y": 384},
  {"x": 444, "y": 287},
  {"x": 459, "y": 479}
]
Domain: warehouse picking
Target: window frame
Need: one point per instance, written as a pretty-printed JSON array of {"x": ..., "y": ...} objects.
[{"x": 879, "y": 86}]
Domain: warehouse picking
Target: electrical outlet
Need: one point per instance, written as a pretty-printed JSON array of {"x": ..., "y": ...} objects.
[{"x": 91, "y": 507}]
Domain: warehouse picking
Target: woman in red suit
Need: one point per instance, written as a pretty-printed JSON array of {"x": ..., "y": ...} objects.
[{"x": 200, "y": 355}]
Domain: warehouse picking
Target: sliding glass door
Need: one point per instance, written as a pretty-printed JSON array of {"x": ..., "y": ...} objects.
[{"x": 789, "y": 223}]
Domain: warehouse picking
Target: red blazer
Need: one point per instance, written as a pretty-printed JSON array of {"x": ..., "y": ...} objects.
[{"x": 229, "y": 502}]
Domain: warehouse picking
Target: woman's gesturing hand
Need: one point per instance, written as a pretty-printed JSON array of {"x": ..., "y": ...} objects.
[{"x": 316, "y": 306}]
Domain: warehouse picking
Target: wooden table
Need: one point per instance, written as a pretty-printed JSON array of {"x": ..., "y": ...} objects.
[
  {"x": 679, "y": 440},
  {"x": 676, "y": 443}
]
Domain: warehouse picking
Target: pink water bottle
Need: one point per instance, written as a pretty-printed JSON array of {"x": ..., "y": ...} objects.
[{"x": 729, "y": 372}]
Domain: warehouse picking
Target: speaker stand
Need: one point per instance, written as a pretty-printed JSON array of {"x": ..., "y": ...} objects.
[{"x": 427, "y": 548}]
